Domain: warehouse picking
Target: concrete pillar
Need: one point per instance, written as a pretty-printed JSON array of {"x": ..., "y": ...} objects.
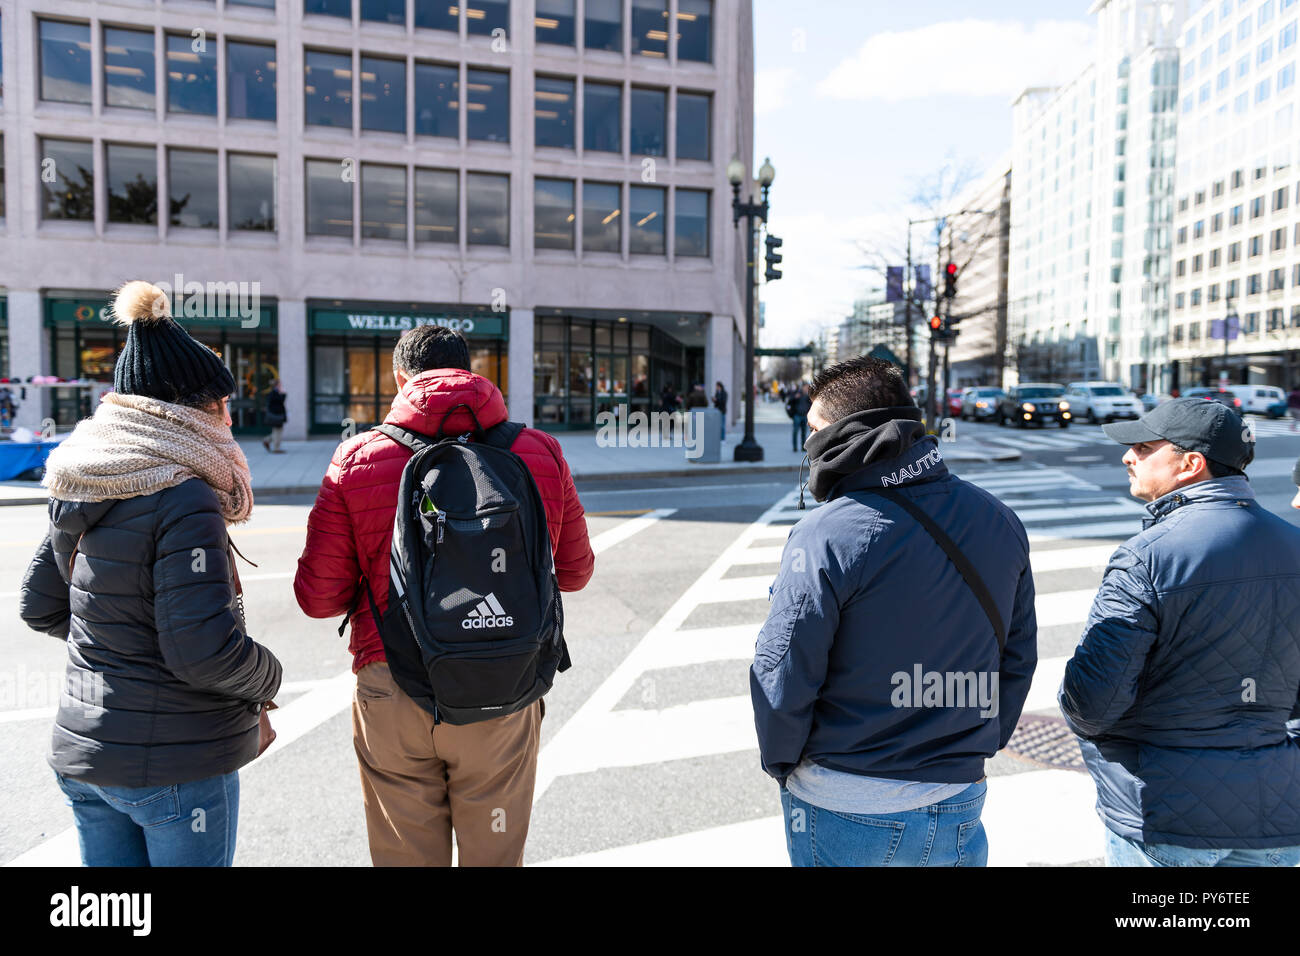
[
  {"x": 29, "y": 354},
  {"x": 520, "y": 356},
  {"x": 294, "y": 379},
  {"x": 720, "y": 363}
]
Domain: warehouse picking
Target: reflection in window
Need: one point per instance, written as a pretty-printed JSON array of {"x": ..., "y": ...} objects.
[
  {"x": 192, "y": 188},
  {"x": 692, "y": 223},
  {"x": 250, "y": 188},
  {"x": 383, "y": 202},
  {"x": 329, "y": 8},
  {"x": 695, "y": 30},
  {"x": 327, "y": 89},
  {"x": 384, "y": 11},
  {"x": 383, "y": 94},
  {"x": 329, "y": 199},
  {"x": 487, "y": 105},
  {"x": 650, "y": 27},
  {"x": 436, "y": 107},
  {"x": 72, "y": 193},
  {"x": 437, "y": 205},
  {"x": 602, "y": 117},
  {"x": 553, "y": 215},
  {"x": 191, "y": 76},
  {"x": 128, "y": 69},
  {"x": 554, "y": 21},
  {"x": 65, "y": 61},
  {"x": 603, "y": 25},
  {"x": 692, "y": 126},
  {"x": 645, "y": 210},
  {"x": 553, "y": 108},
  {"x": 649, "y": 109},
  {"x": 484, "y": 16},
  {"x": 437, "y": 15},
  {"x": 487, "y": 209},
  {"x": 602, "y": 223},
  {"x": 132, "y": 173},
  {"x": 250, "y": 81}
]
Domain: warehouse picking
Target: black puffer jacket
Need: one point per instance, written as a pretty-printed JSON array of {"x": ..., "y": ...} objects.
[{"x": 163, "y": 682}]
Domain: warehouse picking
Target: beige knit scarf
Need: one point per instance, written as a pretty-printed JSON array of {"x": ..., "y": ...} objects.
[{"x": 134, "y": 446}]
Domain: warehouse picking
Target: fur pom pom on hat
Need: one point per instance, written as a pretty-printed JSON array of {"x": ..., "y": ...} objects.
[{"x": 159, "y": 358}]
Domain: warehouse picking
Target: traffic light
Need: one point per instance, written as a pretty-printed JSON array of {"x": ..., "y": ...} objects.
[
  {"x": 950, "y": 280},
  {"x": 936, "y": 324},
  {"x": 773, "y": 257}
]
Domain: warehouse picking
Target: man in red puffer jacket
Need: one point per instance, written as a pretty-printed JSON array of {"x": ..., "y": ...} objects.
[{"x": 421, "y": 779}]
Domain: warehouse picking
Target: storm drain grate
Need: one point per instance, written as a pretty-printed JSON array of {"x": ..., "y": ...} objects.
[{"x": 1046, "y": 741}]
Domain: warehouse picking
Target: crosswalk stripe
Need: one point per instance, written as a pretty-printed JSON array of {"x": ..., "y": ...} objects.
[
  {"x": 752, "y": 843},
  {"x": 763, "y": 555},
  {"x": 1122, "y": 530},
  {"x": 739, "y": 589},
  {"x": 1046, "y": 682},
  {"x": 1044, "y": 817},
  {"x": 1063, "y": 607},
  {"x": 1115, "y": 507},
  {"x": 1066, "y": 559},
  {"x": 705, "y": 645}
]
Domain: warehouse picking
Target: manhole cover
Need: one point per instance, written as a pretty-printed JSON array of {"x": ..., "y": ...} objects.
[{"x": 1047, "y": 742}]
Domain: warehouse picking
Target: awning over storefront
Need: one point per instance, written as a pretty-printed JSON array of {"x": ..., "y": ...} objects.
[
  {"x": 87, "y": 311},
  {"x": 369, "y": 320}
]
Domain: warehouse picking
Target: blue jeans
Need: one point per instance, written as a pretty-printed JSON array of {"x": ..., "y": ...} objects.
[
  {"x": 948, "y": 833},
  {"x": 1121, "y": 851},
  {"x": 184, "y": 824},
  {"x": 799, "y": 433}
]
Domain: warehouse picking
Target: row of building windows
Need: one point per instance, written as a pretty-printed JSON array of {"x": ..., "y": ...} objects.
[
  {"x": 1274, "y": 321},
  {"x": 1286, "y": 38},
  {"x": 1259, "y": 206},
  {"x": 1254, "y": 247},
  {"x": 1276, "y": 279},
  {"x": 1263, "y": 16}
]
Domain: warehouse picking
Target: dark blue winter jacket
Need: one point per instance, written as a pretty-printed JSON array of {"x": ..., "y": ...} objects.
[
  {"x": 1189, "y": 671},
  {"x": 866, "y": 606}
]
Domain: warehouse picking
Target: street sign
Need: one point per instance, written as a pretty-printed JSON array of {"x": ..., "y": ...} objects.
[
  {"x": 893, "y": 283},
  {"x": 1234, "y": 327}
]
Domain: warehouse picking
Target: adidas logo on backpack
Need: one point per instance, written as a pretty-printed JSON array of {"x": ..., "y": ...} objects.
[{"x": 489, "y": 613}]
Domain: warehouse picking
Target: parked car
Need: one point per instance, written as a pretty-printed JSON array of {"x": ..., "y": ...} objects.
[
  {"x": 1259, "y": 399},
  {"x": 1102, "y": 401},
  {"x": 980, "y": 403},
  {"x": 954, "y": 400},
  {"x": 1223, "y": 394},
  {"x": 1150, "y": 400},
  {"x": 1041, "y": 402}
]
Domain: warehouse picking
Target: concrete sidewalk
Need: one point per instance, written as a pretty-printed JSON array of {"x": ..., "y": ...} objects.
[{"x": 300, "y": 469}]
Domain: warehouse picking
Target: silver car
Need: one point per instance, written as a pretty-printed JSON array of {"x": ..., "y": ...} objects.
[
  {"x": 981, "y": 403},
  {"x": 1102, "y": 401}
]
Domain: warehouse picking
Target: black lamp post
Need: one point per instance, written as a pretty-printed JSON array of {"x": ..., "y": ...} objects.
[{"x": 749, "y": 449}]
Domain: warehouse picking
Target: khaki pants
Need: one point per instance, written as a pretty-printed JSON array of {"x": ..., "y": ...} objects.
[{"x": 419, "y": 781}]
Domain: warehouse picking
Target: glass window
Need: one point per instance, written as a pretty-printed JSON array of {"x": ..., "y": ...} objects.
[
  {"x": 602, "y": 117},
  {"x": 383, "y": 202},
  {"x": 384, "y": 11},
  {"x": 437, "y": 15},
  {"x": 72, "y": 193},
  {"x": 1264, "y": 53},
  {"x": 484, "y": 16},
  {"x": 128, "y": 69},
  {"x": 555, "y": 20},
  {"x": 487, "y": 105},
  {"x": 603, "y": 25},
  {"x": 327, "y": 88},
  {"x": 437, "y": 205},
  {"x": 329, "y": 199},
  {"x": 250, "y": 81},
  {"x": 1265, "y": 13},
  {"x": 65, "y": 61},
  {"x": 693, "y": 126},
  {"x": 192, "y": 188},
  {"x": 650, "y": 27},
  {"x": 329, "y": 8},
  {"x": 553, "y": 109},
  {"x": 191, "y": 75},
  {"x": 436, "y": 107},
  {"x": 692, "y": 223},
  {"x": 250, "y": 189},
  {"x": 1286, "y": 77},
  {"x": 1286, "y": 39},
  {"x": 602, "y": 229},
  {"x": 487, "y": 209},
  {"x": 649, "y": 108},
  {"x": 132, "y": 173},
  {"x": 265, "y": 4},
  {"x": 645, "y": 211},
  {"x": 695, "y": 30},
  {"x": 3, "y": 366},
  {"x": 553, "y": 214},
  {"x": 383, "y": 94}
]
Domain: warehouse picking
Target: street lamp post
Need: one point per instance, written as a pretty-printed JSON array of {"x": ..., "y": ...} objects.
[{"x": 749, "y": 449}]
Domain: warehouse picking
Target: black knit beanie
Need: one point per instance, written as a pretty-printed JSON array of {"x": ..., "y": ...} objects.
[{"x": 160, "y": 359}]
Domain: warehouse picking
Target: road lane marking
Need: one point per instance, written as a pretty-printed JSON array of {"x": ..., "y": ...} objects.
[{"x": 620, "y": 533}]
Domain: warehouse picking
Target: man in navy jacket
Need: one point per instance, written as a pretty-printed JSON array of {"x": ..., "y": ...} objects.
[{"x": 878, "y": 685}]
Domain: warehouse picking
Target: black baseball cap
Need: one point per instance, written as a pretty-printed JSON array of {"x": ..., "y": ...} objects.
[{"x": 1194, "y": 424}]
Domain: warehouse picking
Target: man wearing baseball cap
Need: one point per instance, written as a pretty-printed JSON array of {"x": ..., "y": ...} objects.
[{"x": 1184, "y": 689}]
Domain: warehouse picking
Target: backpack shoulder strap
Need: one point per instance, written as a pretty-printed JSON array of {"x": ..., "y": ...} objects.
[
  {"x": 404, "y": 436},
  {"x": 502, "y": 435},
  {"x": 968, "y": 572}
]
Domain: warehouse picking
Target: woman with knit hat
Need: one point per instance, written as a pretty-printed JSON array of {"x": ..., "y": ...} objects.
[{"x": 166, "y": 694}]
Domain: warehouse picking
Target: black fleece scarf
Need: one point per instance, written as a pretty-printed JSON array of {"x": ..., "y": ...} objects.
[{"x": 859, "y": 440}]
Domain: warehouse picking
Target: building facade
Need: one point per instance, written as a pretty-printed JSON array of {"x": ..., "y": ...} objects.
[
  {"x": 977, "y": 239},
  {"x": 315, "y": 177}
]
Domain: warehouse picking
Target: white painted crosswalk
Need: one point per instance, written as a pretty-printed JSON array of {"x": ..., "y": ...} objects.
[{"x": 1080, "y": 436}]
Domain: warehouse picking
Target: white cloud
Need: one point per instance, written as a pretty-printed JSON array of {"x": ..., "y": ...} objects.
[
  {"x": 771, "y": 89},
  {"x": 962, "y": 58}
]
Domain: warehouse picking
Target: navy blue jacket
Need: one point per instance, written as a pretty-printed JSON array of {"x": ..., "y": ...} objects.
[
  {"x": 1188, "y": 673},
  {"x": 863, "y": 598}
]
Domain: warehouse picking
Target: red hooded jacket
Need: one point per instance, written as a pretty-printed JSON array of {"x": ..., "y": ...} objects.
[{"x": 351, "y": 525}]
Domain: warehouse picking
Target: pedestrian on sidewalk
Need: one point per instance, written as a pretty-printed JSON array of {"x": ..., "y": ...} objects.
[
  {"x": 166, "y": 694},
  {"x": 275, "y": 416},
  {"x": 421, "y": 776},
  {"x": 877, "y": 604},
  {"x": 797, "y": 407},
  {"x": 1189, "y": 668},
  {"x": 1293, "y": 406},
  {"x": 669, "y": 402},
  {"x": 720, "y": 403}
]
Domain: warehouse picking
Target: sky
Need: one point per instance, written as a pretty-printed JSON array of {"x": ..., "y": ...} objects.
[{"x": 860, "y": 102}]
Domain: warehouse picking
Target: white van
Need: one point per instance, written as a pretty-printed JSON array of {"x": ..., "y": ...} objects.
[{"x": 1258, "y": 398}]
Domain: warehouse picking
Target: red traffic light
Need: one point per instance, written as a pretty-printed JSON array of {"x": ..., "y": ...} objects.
[
  {"x": 935, "y": 322},
  {"x": 951, "y": 268}
]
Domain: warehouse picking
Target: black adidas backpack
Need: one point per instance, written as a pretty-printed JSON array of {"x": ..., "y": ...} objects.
[{"x": 474, "y": 625}]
